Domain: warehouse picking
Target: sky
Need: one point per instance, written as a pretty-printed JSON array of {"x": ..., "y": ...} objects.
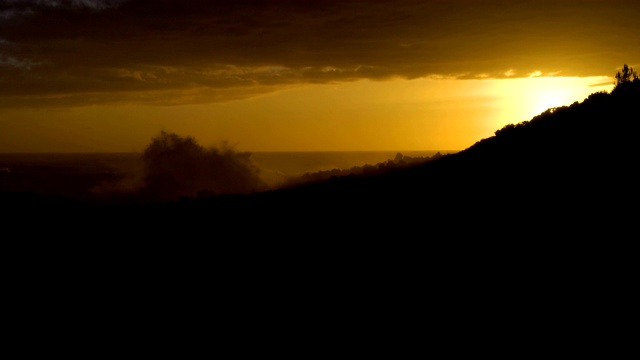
[{"x": 306, "y": 75}]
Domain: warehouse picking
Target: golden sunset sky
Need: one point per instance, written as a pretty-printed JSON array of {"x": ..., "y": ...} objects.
[{"x": 307, "y": 75}]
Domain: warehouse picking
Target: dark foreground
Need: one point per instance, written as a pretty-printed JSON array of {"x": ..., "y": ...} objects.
[{"x": 500, "y": 248}]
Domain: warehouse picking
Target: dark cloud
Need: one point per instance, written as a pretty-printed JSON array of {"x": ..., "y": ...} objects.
[
  {"x": 102, "y": 51},
  {"x": 30, "y": 4}
]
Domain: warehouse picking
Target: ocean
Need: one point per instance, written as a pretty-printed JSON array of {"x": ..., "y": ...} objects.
[{"x": 70, "y": 173}]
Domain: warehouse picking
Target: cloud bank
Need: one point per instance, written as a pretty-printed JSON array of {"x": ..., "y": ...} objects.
[{"x": 69, "y": 53}]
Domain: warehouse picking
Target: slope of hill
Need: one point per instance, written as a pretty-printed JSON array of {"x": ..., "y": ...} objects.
[
  {"x": 534, "y": 224},
  {"x": 566, "y": 170}
]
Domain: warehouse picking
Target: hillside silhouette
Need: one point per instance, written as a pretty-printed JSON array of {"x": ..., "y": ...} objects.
[
  {"x": 534, "y": 224},
  {"x": 571, "y": 169}
]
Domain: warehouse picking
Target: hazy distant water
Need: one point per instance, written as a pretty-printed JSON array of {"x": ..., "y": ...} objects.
[
  {"x": 73, "y": 173},
  {"x": 288, "y": 163}
]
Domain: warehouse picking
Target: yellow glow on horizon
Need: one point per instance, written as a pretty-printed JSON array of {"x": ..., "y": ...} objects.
[
  {"x": 522, "y": 99},
  {"x": 419, "y": 114}
]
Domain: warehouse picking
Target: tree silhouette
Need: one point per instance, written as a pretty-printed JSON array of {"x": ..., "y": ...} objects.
[{"x": 627, "y": 75}]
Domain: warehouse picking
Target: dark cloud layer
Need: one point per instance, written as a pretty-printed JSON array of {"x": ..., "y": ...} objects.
[{"x": 92, "y": 51}]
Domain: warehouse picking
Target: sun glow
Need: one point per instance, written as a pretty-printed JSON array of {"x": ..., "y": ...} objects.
[
  {"x": 550, "y": 98},
  {"x": 522, "y": 99},
  {"x": 399, "y": 114}
]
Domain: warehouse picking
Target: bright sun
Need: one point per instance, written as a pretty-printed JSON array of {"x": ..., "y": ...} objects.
[
  {"x": 522, "y": 99},
  {"x": 543, "y": 98}
]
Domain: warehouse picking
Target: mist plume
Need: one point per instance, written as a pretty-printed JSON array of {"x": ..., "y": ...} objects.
[{"x": 177, "y": 166}]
